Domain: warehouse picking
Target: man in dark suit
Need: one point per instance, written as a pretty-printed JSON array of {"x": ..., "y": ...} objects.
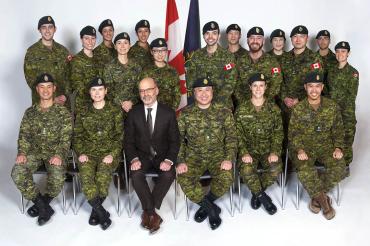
[{"x": 151, "y": 141}]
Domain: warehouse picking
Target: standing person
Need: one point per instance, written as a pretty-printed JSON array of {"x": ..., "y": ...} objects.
[
  {"x": 233, "y": 34},
  {"x": 343, "y": 81},
  {"x": 98, "y": 136},
  {"x": 260, "y": 130},
  {"x": 164, "y": 75},
  {"x": 151, "y": 142},
  {"x": 44, "y": 139},
  {"x": 216, "y": 64},
  {"x": 47, "y": 55},
  {"x": 104, "y": 53},
  {"x": 316, "y": 133},
  {"x": 208, "y": 142},
  {"x": 140, "y": 50},
  {"x": 277, "y": 39},
  {"x": 83, "y": 68},
  {"x": 327, "y": 56},
  {"x": 257, "y": 61}
]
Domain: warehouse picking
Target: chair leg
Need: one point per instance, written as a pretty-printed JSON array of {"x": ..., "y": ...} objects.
[
  {"x": 118, "y": 193},
  {"x": 175, "y": 212},
  {"x": 64, "y": 199},
  {"x": 74, "y": 184},
  {"x": 239, "y": 194},
  {"x": 187, "y": 208},
  {"x": 297, "y": 195},
  {"x": 22, "y": 204},
  {"x": 129, "y": 199},
  {"x": 338, "y": 195},
  {"x": 231, "y": 201},
  {"x": 284, "y": 178},
  {"x": 281, "y": 176}
]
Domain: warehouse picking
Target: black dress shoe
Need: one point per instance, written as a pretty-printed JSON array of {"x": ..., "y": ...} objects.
[
  {"x": 33, "y": 211},
  {"x": 267, "y": 203},
  {"x": 200, "y": 215},
  {"x": 94, "y": 218},
  {"x": 255, "y": 203}
]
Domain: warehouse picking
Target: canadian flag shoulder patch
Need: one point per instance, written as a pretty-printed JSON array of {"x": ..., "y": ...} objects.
[
  {"x": 69, "y": 57},
  {"x": 229, "y": 66},
  {"x": 355, "y": 75},
  {"x": 316, "y": 65},
  {"x": 275, "y": 70}
]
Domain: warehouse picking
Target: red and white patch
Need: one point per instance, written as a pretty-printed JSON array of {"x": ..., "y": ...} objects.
[
  {"x": 229, "y": 66},
  {"x": 355, "y": 75},
  {"x": 69, "y": 57},
  {"x": 315, "y": 66},
  {"x": 275, "y": 70}
]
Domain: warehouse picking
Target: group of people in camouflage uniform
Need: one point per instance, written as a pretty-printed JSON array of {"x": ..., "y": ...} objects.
[{"x": 248, "y": 107}]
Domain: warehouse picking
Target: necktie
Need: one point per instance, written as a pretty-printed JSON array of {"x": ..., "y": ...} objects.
[{"x": 149, "y": 121}]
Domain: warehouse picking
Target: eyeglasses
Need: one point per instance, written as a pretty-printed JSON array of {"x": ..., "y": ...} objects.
[
  {"x": 149, "y": 90},
  {"x": 159, "y": 51}
]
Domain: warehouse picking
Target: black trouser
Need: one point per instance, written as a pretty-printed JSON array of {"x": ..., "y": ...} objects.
[{"x": 152, "y": 199}]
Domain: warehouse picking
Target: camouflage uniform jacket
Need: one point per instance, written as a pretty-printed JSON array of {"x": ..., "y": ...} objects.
[
  {"x": 241, "y": 51},
  {"x": 46, "y": 133},
  {"x": 103, "y": 56},
  {"x": 267, "y": 65},
  {"x": 219, "y": 67},
  {"x": 83, "y": 70},
  {"x": 312, "y": 130},
  {"x": 343, "y": 86},
  {"x": 122, "y": 81},
  {"x": 142, "y": 56},
  {"x": 259, "y": 131},
  {"x": 329, "y": 60},
  {"x": 99, "y": 132},
  {"x": 295, "y": 68},
  {"x": 40, "y": 59},
  {"x": 277, "y": 57},
  {"x": 168, "y": 83},
  {"x": 204, "y": 132}
]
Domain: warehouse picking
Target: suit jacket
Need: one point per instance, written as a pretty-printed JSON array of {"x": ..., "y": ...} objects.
[{"x": 165, "y": 138}]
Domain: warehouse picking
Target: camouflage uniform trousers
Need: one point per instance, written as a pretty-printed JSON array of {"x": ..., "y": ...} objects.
[
  {"x": 96, "y": 176},
  {"x": 308, "y": 175},
  {"x": 22, "y": 175},
  {"x": 259, "y": 181},
  {"x": 190, "y": 181}
]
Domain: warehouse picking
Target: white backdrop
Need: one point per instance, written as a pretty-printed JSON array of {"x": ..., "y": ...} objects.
[{"x": 346, "y": 20}]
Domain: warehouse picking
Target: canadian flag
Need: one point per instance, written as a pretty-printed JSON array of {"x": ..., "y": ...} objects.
[
  {"x": 275, "y": 70},
  {"x": 229, "y": 66},
  {"x": 175, "y": 56},
  {"x": 315, "y": 66}
]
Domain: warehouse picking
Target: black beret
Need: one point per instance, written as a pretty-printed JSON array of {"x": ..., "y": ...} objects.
[
  {"x": 44, "y": 78},
  {"x": 202, "y": 82},
  {"x": 97, "y": 81},
  {"x": 314, "y": 77},
  {"x": 88, "y": 30},
  {"x": 277, "y": 33},
  {"x": 256, "y": 77},
  {"x": 343, "y": 45},
  {"x": 158, "y": 43},
  {"x": 234, "y": 27},
  {"x": 45, "y": 20},
  {"x": 122, "y": 35},
  {"x": 142, "y": 23},
  {"x": 256, "y": 30},
  {"x": 105, "y": 23},
  {"x": 324, "y": 33},
  {"x": 299, "y": 30},
  {"x": 210, "y": 26}
]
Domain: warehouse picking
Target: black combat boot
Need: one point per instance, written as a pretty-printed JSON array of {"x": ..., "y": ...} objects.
[
  {"x": 267, "y": 203},
  {"x": 255, "y": 203},
  {"x": 94, "y": 218},
  {"x": 45, "y": 211},
  {"x": 202, "y": 213},
  {"x": 212, "y": 209},
  {"x": 33, "y": 211},
  {"x": 102, "y": 214}
]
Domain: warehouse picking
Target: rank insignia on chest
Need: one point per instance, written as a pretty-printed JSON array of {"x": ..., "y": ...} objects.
[
  {"x": 229, "y": 66},
  {"x": 318, "y": 129}
]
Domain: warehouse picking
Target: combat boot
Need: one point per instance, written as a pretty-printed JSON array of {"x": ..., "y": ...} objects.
[
  {"x": 94, "y": 218},
  {"x": 102, "y": 214},
  {"x": 314, "y": 206},
  {"x": 45, "y": 211},
  {"x": 325, "y": 203},
  {"x": 255, "y": 203},
  {"x": 33, "y": 211},
  {"x": 213, "y": 213},
  {"x": 267, "y": 203}
]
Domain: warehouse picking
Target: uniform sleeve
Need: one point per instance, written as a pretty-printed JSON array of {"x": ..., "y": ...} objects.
[
  {"x": 338, "y": 130},
  {"x": 24, "y": 138},
  {"x": 75, "y": 76},
  {"x": 78, "y": 136},
  {"x": 108, "y": 78},
  {"x": 118, "y": 134},
  {"x": 181, "y": 158},
  {"x": 176, "y": 90},
  {"x": 275, "y": 81},
  {"x": 231, "y": 140},
  {"x": 277, "y": 134},
  {"x": 29, "y": 71},
  {"x": 349, "y": 112},
  {"x": 65, "y": 134},
  {"x": 295, "y": 131},
  {"x": 242, "y": 143}
]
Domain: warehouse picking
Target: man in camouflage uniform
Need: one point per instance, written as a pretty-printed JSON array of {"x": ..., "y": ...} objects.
[
  {"x": 233, "y": 34},
  {"x": 47, "y": 55},
  {"x": 140, "y": 50},
  {"x": 104, "y": 53},
  {"x": 277, "y": 39},
  {"x": 122, "y": 75},
  {"x": 98, "y": 136},
  {"x": 327, "y": 56},
  {"x": 316, "y": 133},
  {"x": 166, "y": 76},
  {"x": 260, "y": 131},
  {"x": 215, "y": 63},
  {"x": 208, "y": 143},
  {"x": 343, "y": 82},
  {"x": 44, "y": 139},
  {"x": 256, "y": 61},
  {"x": 83, "y": 68}
]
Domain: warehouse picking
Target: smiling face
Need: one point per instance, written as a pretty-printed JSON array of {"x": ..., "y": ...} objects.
[
  {"x": 314, "y": 90},
  {"x": 159, "y": 54},
  {"x": 88, "y": 42},
  {"x": 211, "y": 37},
  {"x": 45, "y": 90},
  {"x": 203, "y": 96},
  {"x": 258, "y": 89},
  {"x": 107, "y": 33},
  {"x": 122, "y": 46},
  {"x": 148, "y": 91},
  {"x": 278, "y": 43},
  {"x": 143, "y": 34},
  {"x": 341, "y": 55},
  {"x": 97, "y": 93},
  {"x": 233, "y": 37},
  {"x": 47, "y": 32},
  {"x": 255, "y": 43},
  {"x": 299, "y": 41}
]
